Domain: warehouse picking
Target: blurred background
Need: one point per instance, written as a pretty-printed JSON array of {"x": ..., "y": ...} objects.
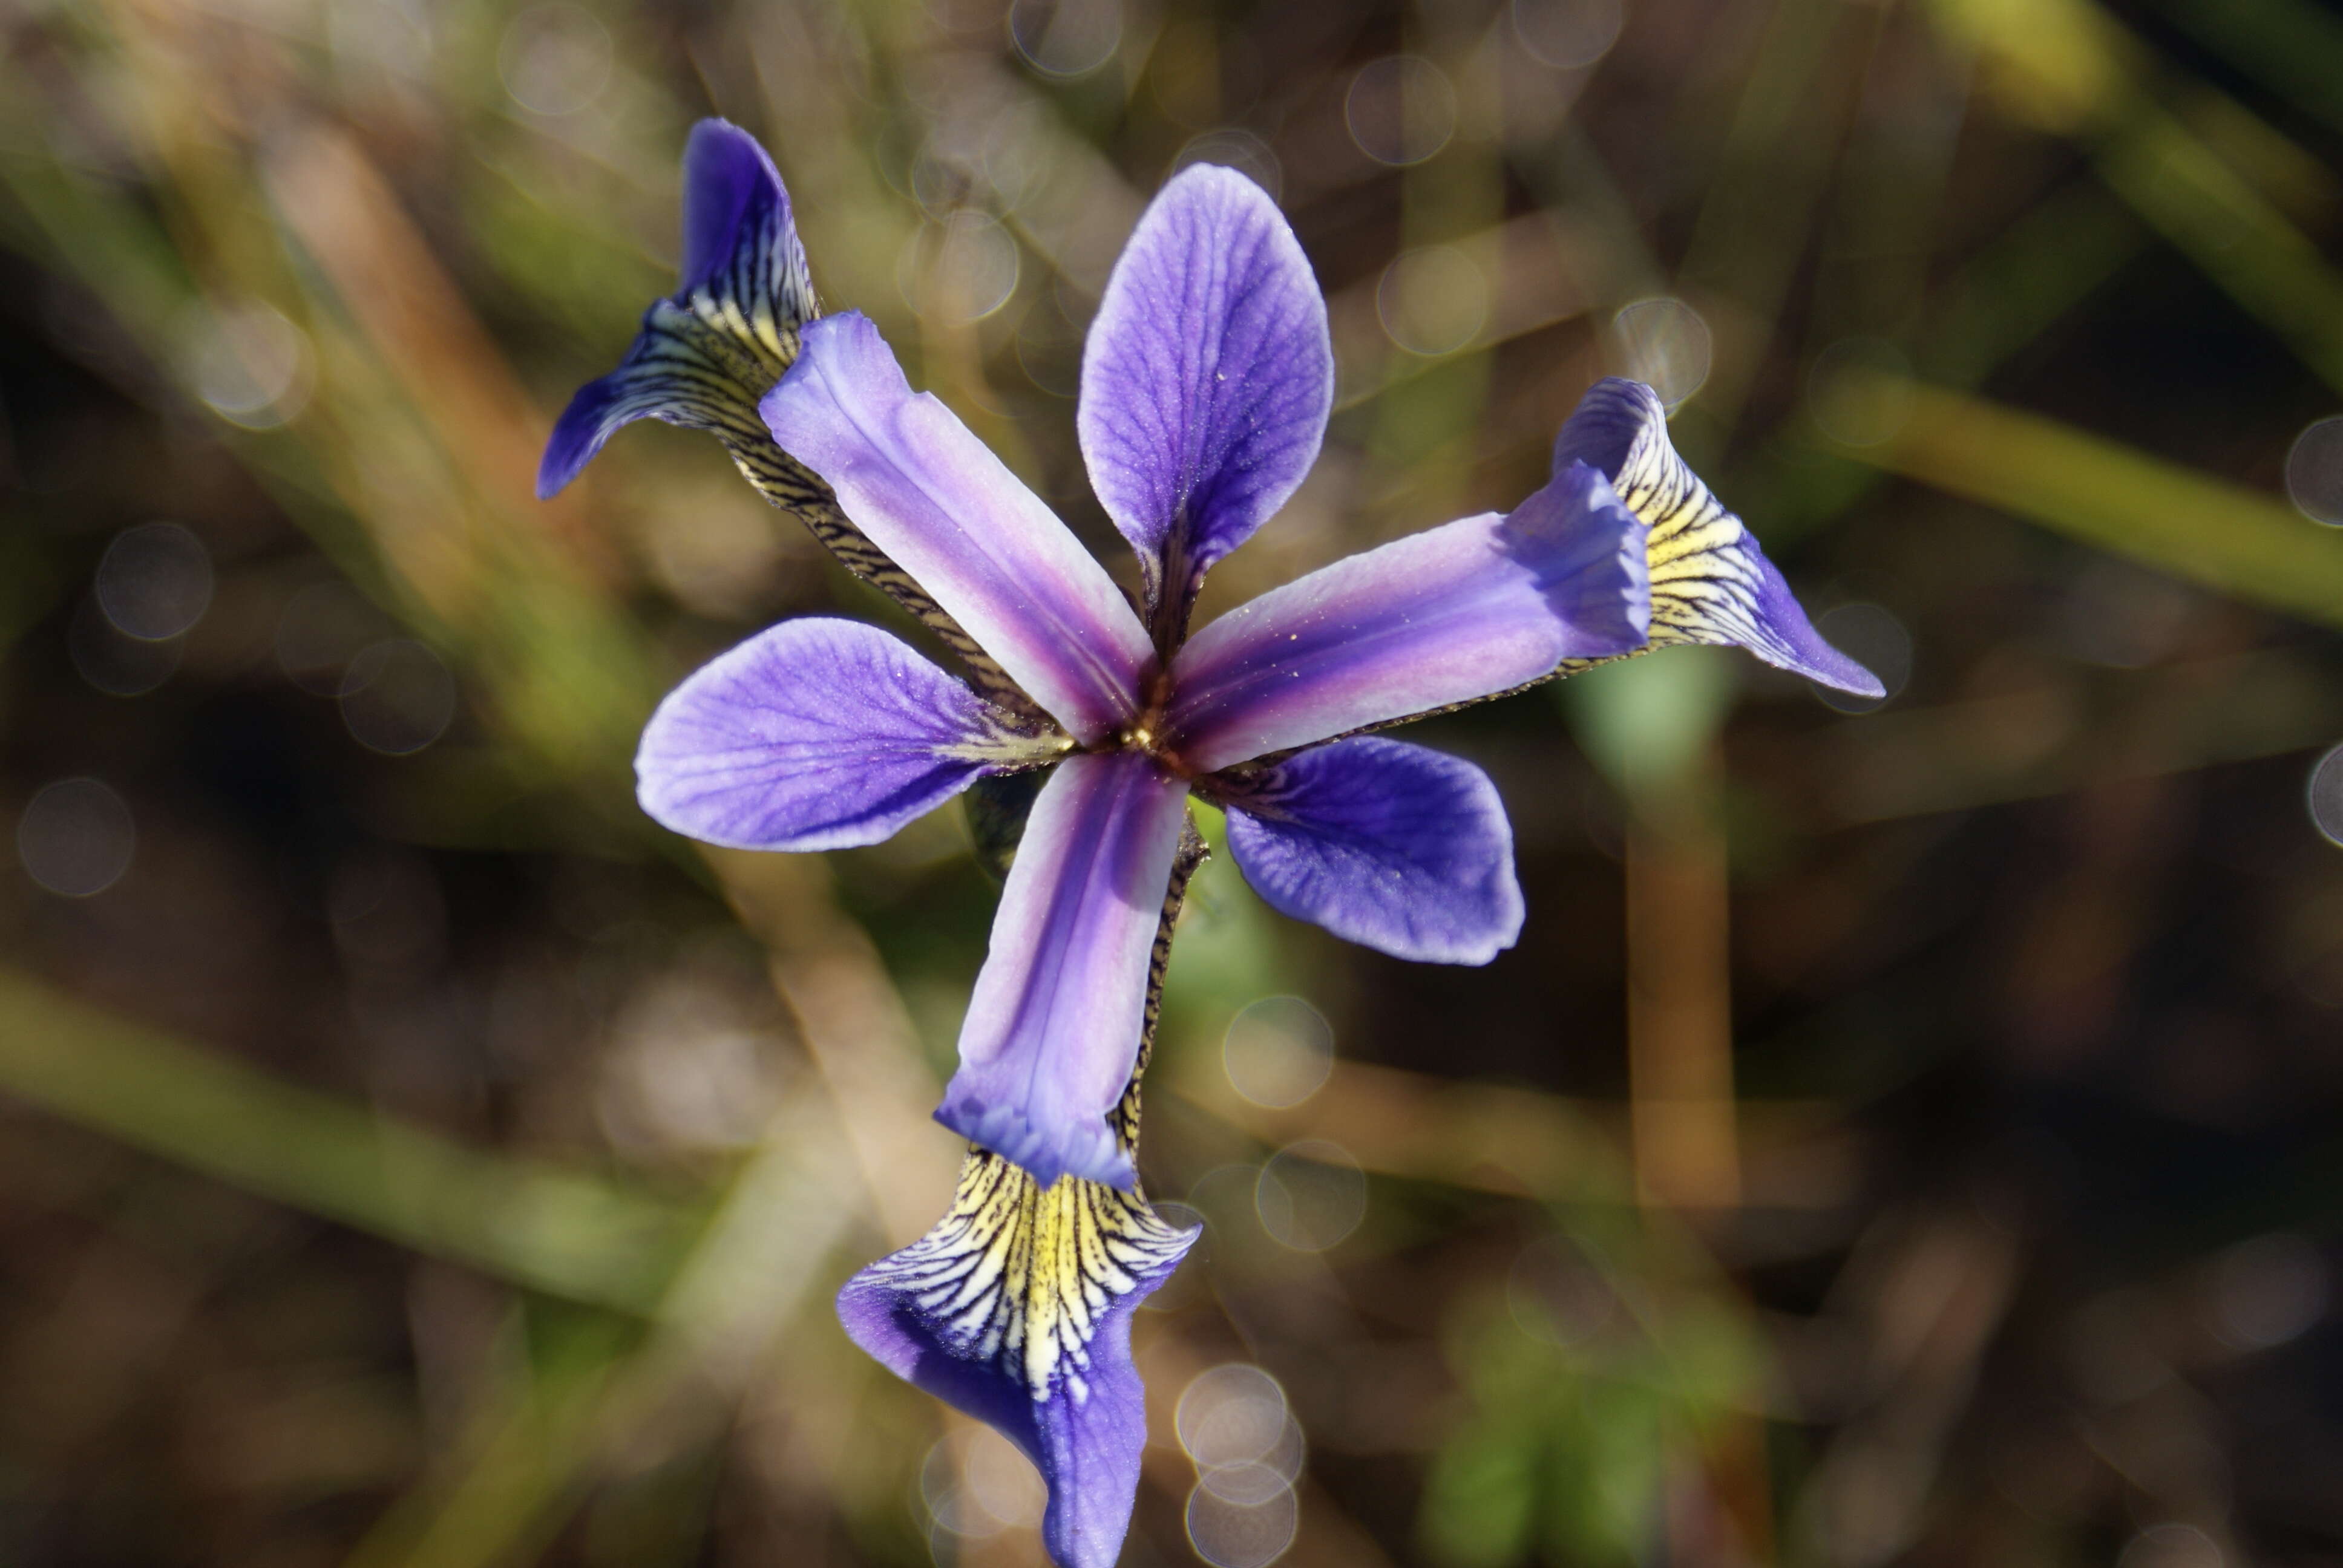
[{"x": 1904, "y": 1136}]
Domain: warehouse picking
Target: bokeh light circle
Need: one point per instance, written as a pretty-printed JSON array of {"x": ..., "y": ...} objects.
[
  {"x": 2314, "y": 472},
  {"x": 1873, "y": 636},
  {"x": 1569, "y": 35},
  {"x": 117, "y": 665},
  {"x": 155, "y": 581},
  {"x": 555, "y": 59},
  {"x": 1002, "y": 1482},
  {"x": 1232, "y": 1415},
  {"x": 2268, "y": 1290},
  {"x": 397, "y": 696},
  {"x": 960, "y": 271},
  {"x": 1433, "y": 301},
  {"x": 1065, "y": 37},
  {"x": 952, "y": 1507},
  {"x": 249, "y": 364},
  {"x": 1666, "y": 346},
  {"x": 1239, "y": 149},
  {"x": 1242, "y": 1535},
  {"x": 2171, "y": 1546},
  {"x": 1248, "y": 1483},
  {"x": 75, "y": 838},
  {"x": 1310, "y": 1196},
  {"x": 1399, "y": 109},
  {"x": 1278, "y": 1052},
  {"x": 2324, "y": 795}
]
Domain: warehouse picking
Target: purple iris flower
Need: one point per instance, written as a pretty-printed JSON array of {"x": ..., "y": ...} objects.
[{"x": 1207, "y": 380}]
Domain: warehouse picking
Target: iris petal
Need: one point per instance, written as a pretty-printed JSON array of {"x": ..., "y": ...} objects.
[
  {"x": 1206, "y": 381},
  {"x": 1710, "y": 582},
  {"x": 1016, "y": 1310},
  {"x": 1448, "y": 616},
  {"x": 707, "y": 352},
  {"x": 1054, "y": 1025},
  {"x": 818, "y": 734},
  {"x": 925, "y": 490},
  {"x": 1402, "y": 849}
]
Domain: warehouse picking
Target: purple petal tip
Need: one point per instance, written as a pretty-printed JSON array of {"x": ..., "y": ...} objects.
[{"x": 728, "y": 177}]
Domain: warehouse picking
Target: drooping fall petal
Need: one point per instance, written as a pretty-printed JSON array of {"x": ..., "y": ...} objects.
[
  {"x": 1016, "y": 1310},
  {"x": 1404, "y": 849},
  {"x": 707, "y": 352},
  {"x": 1710, "y": 582}
]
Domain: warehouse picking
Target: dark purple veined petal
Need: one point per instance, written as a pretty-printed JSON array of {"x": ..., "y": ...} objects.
[
  {"x": 1054, "y": 1023},
  {"x": 1016, "y": 1310},
  {"x": 1207, "y": 377},
  {"x": 1458, "y": 612},
  {"x": 1398, "y": 848},
  {"x": 818, "y": 734},
  {"x": 1710, "y": 582},
  {"x": 928, "y": 493},
  {"x": 705, "y": 354}
]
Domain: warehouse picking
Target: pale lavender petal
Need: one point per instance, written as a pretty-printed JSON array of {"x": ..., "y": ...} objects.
[
  {"x": 1459, "y": 612},
  {"x": 707, "y": 353},
  {"x": 1054, "y": 1023},
  {"x": 1404, "y": 850},
  {"x": 924, "y": 490},
  {"x": 1016, "y": 1310},
  {"x": 818, "y": 734},
  {"x": 1710, "y": 582},
  {"x": 1207, "y": 377}
]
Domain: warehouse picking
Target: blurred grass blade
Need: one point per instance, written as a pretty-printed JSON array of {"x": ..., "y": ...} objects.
[
  {"x": 2070, "y": 67},
  {"x": 549, "y": 1230},
  {"x": 2108, "y": 496},
  {"x": 2292, "y": 46}
]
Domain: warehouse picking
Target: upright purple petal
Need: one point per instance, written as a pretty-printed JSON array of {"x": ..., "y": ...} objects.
[
  {"x": 1054, "y": 1023},
  {"x": 818, "y": 734},
  {"x": 1462, "y": 611},
  {"x": 707, "y": 353},
  {"x": 1710, "y": 582},
  {"x": 926, "y": 492},
  {"x": 1016, "y": 1310},
  {"x": 1207, "y": 378},
  {"x": 1401, "y": 848},
  {"x": 736, "y": 212}
]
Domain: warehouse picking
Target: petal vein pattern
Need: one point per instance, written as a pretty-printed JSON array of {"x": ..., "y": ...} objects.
[
  {"x": 709, "y": 353},
  {"x": 925, "y": 490},
  {"x": 1467, "y": 610},
  {"x": 1054, "y": 1025},
  {"x": 1207, "y": 378},
  {"x": 1397, "y": 847},
  {"x": 819, "y": 734},
  {"x": 705, "y": 354},
  {"x": 1710, "y": 582},
  {"x": 1016, "y": 1310}
]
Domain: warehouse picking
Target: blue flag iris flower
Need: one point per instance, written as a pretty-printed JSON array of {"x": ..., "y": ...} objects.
[{"x": 1207, "y": 380}]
